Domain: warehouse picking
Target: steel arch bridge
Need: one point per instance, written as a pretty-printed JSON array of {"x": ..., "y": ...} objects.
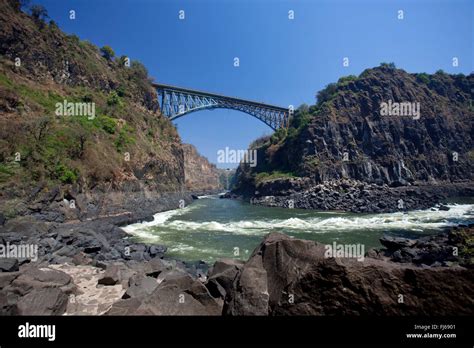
[{"x": 176, "y": 102}]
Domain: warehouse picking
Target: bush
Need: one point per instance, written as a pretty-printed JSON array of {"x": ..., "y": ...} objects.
[
  {"x": 278, "y": 136},
  {"x": 346, "y": 79},
  {"x": 264, "y": 176},
  {"x": 299, "y": 120},
  {"x": 65, "y": 174},
  {"x": 388, "y": 65},
  {"x": 107, "y": 124},
  {"x": 123, "y": 139},
  {"x": 327, "y": 93},
  {"x": 114, "y": 99},
  {"x": 38, "y": 12},
  {"x": 138, "y": 70},
  {"x": 107, "y": 52},
  {"x": 121, "y": 91},
  {"x": 303, "y": 108},
  {"x": 423, "y": 77}
]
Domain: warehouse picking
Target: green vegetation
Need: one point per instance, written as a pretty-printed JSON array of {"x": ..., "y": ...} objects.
[
  {"x": 327, "y": 93},
  {"x": 45, "y": 99},
  {"x": 388, "y": 65},
  {"x": 107, "y": 52},
  {"x": 279, "y": 135},
  {"x": 312, "y": 161},
  {"x": 106, "y": 123},
  {"x": 264, "y": 176},
  {"x": 423, "y": 78},
  {"x": 38, "y": 12},
  {"x": 125, "y": 137},
  {"x": 114, "y": 99},
  {"x": 345, "y": 80},
  {"x": 65, "y": 174}
]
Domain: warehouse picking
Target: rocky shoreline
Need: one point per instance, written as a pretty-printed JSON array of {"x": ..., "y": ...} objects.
[
  {"x": 94, "y": 267},
  {"x": 352, "y": 195}
]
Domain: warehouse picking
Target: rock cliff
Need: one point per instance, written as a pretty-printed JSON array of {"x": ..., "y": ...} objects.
[
  {"x": 121, "y": 153},
  {"x": 199, "y": 174},
  {"x": 384, "y": 127}
]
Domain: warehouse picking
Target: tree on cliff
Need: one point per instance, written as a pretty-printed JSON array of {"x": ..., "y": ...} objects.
[
  {"x": 38, "y": 12},
  {"x": 107, "y": 52}
]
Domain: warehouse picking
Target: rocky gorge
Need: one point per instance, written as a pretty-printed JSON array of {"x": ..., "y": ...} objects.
[{"x": 68, "y": 185}]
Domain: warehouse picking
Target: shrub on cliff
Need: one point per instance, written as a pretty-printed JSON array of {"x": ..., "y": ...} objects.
[
  {"x": 107, "y": 52},
  {"x": 327, "y": 93},
  {"x": 38, "y": 12}
]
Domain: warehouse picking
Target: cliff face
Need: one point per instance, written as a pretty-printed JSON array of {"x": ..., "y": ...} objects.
[
  {"x": 124, "y": 145},
  {"x": 355, "y": 132},
  {"x": 199, "y": 174}
]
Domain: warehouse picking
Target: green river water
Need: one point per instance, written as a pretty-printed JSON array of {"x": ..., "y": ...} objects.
[{"x": 212, "y": 228}]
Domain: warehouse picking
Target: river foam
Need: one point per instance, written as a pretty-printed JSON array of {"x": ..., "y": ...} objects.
[{"x": 432, "y": 219}]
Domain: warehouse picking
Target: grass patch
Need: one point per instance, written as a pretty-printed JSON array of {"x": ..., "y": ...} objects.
[{"x": 264, "y": 176}]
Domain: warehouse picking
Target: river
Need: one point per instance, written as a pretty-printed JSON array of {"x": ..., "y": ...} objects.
[{"x": 212, "y": 228}]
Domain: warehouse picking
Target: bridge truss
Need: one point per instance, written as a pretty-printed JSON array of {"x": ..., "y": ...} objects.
[{"x": 176, "y": 102}]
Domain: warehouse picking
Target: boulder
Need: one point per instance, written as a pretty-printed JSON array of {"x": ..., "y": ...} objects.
[
  {"x": 26, "y": 226},
  {"x": 154, "y": 267},
  {"x": 112, "y": 275},
  {"x": 119, "y": 273},
  {"x": 81, "y": 259},
  {"x": 286, "y": 276},
  {"x": 395, "y": 243},
  {"x": 140, "y": 286},
  {"x": 9, "y": 265},
  {"x": 7, "y": 277},
  {"x": 39, "y": 278},
  {"x": 222, "y": 275},
  {"x": 35, "y": 291},
  {"x": 44, "y": 301},
  {"x": 177, "y": 294},
  {"x": 8, "y": 303}
]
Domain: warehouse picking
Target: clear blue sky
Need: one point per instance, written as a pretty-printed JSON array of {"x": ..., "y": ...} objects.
[{"x": 282, "y": 61}]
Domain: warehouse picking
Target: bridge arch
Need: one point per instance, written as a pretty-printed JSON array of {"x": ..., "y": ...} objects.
[{"x": 176, "y": 102}]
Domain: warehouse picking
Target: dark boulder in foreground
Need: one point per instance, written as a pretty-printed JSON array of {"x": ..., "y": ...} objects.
[
  {"x": 177, "y": 294},
  {"x": 35, "y": 291},
  {"x": 222, "y": 275},
  {"x": 286, "y": 276}
]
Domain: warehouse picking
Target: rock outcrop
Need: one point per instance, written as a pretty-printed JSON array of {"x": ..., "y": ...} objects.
[
  {"x": 35, "y": 291},
  {"x": 346, "y": 137},
  {"x": 445, "y": 249},
  {"x": 286, "y": 276},
  {"x": 61, "y": 166},
  {"x": 199, "y": 174},
  {"x": 173, "y": 293}
]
